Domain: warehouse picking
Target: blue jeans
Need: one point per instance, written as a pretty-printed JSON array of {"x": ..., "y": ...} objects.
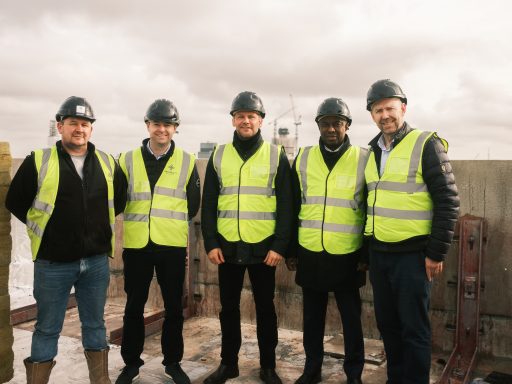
[{"x": 52, "y": 285}]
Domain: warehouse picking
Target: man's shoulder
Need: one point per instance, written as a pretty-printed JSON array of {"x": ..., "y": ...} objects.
[
  {"x": 101, "y": 152},
  {"x": 434, "y": 146}
]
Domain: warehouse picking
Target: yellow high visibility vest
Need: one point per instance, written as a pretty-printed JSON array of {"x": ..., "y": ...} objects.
[
  {"x": 247, "y": 201},
  {"x": 399, "y": 204},
  {"x": 332, "y": 212},
  {"x": 162, "y": 217},
  {"x": 47, "y": 167}
]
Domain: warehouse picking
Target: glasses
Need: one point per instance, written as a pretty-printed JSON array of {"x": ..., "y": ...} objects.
[{"x": 335, "y": 124}]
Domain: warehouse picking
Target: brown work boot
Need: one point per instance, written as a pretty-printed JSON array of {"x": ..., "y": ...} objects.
[
  {"x": 97, "y": 362},
  {"x": 38, "y": 373}
]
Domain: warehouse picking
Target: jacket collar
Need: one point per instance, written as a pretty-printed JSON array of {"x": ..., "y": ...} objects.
[{"x": 247, "y": 148}]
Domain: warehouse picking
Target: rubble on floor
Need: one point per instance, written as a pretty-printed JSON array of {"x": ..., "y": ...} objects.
[{"x": 202, "y": 349}]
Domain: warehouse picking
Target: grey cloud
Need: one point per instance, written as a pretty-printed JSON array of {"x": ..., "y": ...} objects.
[{"x": 123, "y": 55}]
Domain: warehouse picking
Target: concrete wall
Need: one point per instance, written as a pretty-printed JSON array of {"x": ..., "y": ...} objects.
[
  {"x": 485, "y": 189},
  {"x": 21, "y": 272},
  {"x": 6, "y": 336}
]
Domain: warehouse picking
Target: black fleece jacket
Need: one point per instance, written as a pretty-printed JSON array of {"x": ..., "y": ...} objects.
[
  {"x": 440, "y": 181},
  {"x": 79, "y": 226},
  {"x": 241, "y": 252},
  {"x": 323, "y": 271}
]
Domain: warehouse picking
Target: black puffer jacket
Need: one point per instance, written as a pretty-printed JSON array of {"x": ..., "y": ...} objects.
[{"x": 440, "y": 181}]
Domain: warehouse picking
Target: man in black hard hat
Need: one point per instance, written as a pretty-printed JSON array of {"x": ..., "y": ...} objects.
[
  {"x": 68, "y": 196},
  {"x": 246, "y": 225},
  {"x": 413, "y": 206},
  {"x": 329, "y": 194},
  {"x": 163, "y": 195}
]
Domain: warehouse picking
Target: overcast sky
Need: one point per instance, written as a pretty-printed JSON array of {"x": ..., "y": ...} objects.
[{"x": 453, "y": 60}]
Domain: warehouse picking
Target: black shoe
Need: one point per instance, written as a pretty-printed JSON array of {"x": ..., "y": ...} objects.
[
  {"x": 128, "y": 375},
  {"x": 354, "y": 381},
  {"x": 269, "y": 376},
  {"x": 309, "y": 378},
  {"x": 222, "y": 373},
  {"x": 177, "y": 374}
]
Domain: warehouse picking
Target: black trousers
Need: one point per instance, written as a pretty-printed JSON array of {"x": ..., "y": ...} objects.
[
  {"x": 401, "y": 294},
  {"x": 231, "y": 278},
  {"x": 139, "y": 267},
  {"x": 314, "y": 311}
]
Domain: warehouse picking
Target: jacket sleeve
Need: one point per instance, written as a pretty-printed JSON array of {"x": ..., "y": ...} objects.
[
  {"x": 440, "y": 181},
  {"x": 209, "y": 207},
  {"x": 193, "y": 193},
  {"x": 284, "y": 206},
  {"x": 23, "y": 189},
  {"x": 120, "y": 189},
  {"x": 364, "y": 252},
  {"x": 297, "y": 202}
]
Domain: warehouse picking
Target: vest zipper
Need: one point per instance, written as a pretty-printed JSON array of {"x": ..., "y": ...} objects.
[
  {"x": 325, "y": 203},
  {"x": 374, "y": 201},
  {"x": 83, "y": 182},
  {"x": 238, "y": 200}
]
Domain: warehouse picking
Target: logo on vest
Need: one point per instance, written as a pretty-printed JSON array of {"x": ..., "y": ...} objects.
[{"x": 171, "y": 169}]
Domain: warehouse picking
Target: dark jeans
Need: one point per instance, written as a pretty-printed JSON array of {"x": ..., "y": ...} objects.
[
  {"x": 231, "y": 278},
  {"x": 401, "y": 293},
  {"x": 315, "y": 308},
  {"x": 139, "y": 267}
]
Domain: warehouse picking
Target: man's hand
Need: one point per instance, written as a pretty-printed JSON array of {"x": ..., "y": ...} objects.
[
  {"x": 433, "y": 268},
  {"x": 363, "y": 267},
  {"x": 291, "y": 263},
  {"x": 215, "y": 256},
  {"x": 273, "y": 259}
]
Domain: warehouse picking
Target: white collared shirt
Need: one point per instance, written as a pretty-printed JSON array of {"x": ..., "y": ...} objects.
[
  {"x": 332, "y": 150},
  {"x": 385, "y": 153},
  {"x": 158, "y": 156}
]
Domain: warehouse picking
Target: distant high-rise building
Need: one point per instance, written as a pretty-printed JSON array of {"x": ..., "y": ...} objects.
[
  {"x": 53, "y": 135},
  {"x": 288, "y": 142},
  {"x": 205, "y": 150}
]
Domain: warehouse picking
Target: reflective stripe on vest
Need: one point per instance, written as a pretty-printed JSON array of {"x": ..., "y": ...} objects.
[
  {"x": 247, "y": 202},
  {"x": 332, "y": 210},
  {"x": 163, "y": 216},
  {"x": 399, "y": 204},
  {"x": 47, "y": 167}
]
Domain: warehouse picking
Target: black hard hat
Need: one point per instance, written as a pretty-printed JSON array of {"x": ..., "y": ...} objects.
[
  {"x": 163, "y": 110},
  {"x": 247, "y": 101},
  {"x": 333, "y": 107},
  {"x": 76, "y": 107},
  {"x": 384, "y": 89}
]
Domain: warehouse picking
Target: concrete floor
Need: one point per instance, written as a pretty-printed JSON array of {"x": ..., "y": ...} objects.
[{"x": 202, "y": 349}]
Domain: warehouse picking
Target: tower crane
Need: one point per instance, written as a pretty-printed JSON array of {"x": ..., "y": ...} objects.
[{"x": 296, "y": 121}]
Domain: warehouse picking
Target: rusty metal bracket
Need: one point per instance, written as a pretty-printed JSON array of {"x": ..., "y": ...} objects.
[{"x": 472, "y": 240}]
